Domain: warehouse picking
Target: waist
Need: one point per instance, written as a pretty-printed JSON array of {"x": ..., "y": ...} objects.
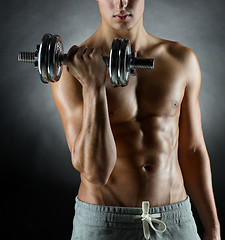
[
  {"x": 128, "y": 185},
  {"x": 124, "y": 217}
]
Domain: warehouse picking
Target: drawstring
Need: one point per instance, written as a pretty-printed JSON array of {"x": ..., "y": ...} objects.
[{"x": 149, "y": 219}]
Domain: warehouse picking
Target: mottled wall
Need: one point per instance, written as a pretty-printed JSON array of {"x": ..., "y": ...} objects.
[{"x": 38, "y": 181}]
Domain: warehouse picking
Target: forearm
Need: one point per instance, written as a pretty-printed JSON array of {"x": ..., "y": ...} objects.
[
  {"x": 196, "y": 170},
  {"x": 94, "y": 151}
]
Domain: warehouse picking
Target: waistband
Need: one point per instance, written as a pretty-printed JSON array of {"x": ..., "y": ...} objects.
[{"x": 129, "y": 217}]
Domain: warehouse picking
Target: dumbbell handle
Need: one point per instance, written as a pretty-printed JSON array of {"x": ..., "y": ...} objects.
[
  {"x": 141, "y": 63},
  {"x": 63, "y": 57}
]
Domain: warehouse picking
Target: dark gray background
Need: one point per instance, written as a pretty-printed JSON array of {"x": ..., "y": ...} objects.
[{"x": 38, "y": 181}]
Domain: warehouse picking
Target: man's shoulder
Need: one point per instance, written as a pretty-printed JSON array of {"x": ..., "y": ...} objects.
[
  {"x": 186, "y": 57},
  {"x": 183, "y": 54},
  {"x": 165, "y": 47},
  {"x": 179, "y": 51}
]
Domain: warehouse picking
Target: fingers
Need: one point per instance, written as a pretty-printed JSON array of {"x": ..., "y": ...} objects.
[
  {"x": 96, "y": 51},
  {"x": 82, "y": 52},
  {"x": 88, "y": 53},
  {"x": 70, "y": 55}
]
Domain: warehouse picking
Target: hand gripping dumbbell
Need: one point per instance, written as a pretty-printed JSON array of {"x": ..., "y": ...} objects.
[{"x": 49, "y": 58}]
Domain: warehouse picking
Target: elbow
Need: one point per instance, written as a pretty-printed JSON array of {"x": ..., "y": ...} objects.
[
  {"x": 77, "y": 164},
  {"x": 97, "y": 173},
  {"x": 75, "y": 160},
  {"x": 96, "y": 180},
  {"x": 99, "y": 178}
]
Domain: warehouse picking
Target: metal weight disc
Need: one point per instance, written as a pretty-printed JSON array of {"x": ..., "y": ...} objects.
[
  {"x": 59, "y": 52},
  {"x": 51, "y": 64},
  {"x": 124, "y": 73},
  {"x": 54, "y": 67},
  {"x": 43, "y": 57},
  {"x": 114, "y": 62}
]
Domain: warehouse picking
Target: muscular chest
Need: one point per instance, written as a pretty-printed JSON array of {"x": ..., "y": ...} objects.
[{"x": 150, "y": 92}]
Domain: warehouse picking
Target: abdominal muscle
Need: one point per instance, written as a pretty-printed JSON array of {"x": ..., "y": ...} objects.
[{"x": 146, "y": 169}]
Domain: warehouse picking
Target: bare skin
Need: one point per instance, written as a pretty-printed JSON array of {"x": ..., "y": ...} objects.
[
  {"x": 141, "y": 142},
  {"x": 144, "y": 119}
]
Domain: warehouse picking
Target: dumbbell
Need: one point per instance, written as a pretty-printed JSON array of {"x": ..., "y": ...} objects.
[{"x": 49, "y": 58}]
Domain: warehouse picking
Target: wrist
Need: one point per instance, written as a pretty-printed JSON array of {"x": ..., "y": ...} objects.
[
  {"x": 95, "y": 83},
  {"x": 92, "y": 86},
  {"x": 92, "y": 91}
]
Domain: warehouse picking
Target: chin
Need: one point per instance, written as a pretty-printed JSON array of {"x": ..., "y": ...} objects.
[{"x": 122, "y": 26}]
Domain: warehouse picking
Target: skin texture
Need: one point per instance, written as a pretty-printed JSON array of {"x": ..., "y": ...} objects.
[{"x": 144, "y": 141}]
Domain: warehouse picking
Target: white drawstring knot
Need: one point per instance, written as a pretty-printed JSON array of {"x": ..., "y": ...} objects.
[{"x": 149, "y": 219}]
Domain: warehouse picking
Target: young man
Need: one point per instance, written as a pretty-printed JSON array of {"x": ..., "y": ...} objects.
[{"x": 136, "y": 146}]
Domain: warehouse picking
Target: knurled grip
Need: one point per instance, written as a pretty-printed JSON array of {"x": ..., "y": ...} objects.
[{"x": 142, "y": 63}]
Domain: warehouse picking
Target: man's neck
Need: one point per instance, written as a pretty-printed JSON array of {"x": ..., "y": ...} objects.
[{"x": 137, "y": 35}]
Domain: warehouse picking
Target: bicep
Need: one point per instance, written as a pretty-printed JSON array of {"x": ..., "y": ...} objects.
[
  {"x": 67, "y": 95},
  {"x": 190, "y": 128}
]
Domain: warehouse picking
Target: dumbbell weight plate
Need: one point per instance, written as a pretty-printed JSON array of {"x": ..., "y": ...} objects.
[
  {"x": 124, "y": 72},
  {"x": 114, "y": 62},
  {"x": 55, "y": 49},
  {"x": 43, "y": 57}
]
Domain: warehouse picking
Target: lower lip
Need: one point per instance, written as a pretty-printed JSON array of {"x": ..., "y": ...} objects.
[{"x": 122, "y": 19}]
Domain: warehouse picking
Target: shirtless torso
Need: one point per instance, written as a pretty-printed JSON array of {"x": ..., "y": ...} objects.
[
  {"x": 143, "y": 142},
  {"x": 144, "y": 118}
]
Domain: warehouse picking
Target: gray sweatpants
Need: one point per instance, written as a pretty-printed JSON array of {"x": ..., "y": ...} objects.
[{"x": 96, "y": 222}]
